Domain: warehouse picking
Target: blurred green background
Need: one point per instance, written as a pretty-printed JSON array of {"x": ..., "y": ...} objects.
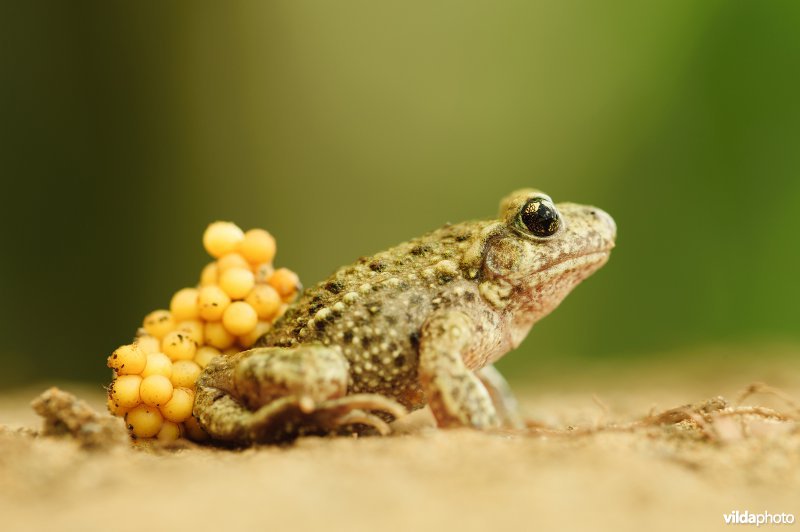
[{"x": 346, "y": 127}]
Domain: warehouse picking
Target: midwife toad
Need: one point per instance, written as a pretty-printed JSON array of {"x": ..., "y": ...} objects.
[{"x": 420, "y": 323}]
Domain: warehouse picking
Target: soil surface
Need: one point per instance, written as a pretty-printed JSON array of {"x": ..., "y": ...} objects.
[{"x": 610, "y": 448}]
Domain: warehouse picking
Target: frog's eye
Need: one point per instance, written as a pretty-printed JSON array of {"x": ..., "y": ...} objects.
[{"x": 540, "y": 217}]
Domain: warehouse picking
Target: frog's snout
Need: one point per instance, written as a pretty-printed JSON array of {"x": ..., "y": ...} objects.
[
  {"x": 590, "y": 226},
  {"x": 606, "y": 225}
]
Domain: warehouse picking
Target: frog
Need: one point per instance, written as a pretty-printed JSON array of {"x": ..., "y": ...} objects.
[{"x": 421, "y": 323}]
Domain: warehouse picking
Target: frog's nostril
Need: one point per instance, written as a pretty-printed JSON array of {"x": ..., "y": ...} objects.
[
  {"x": 611, "y": 224},
  {"x": 604, "y": 218}
]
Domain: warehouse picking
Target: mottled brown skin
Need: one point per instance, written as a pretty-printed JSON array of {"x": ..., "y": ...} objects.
[{"x": 418, "y": 324}]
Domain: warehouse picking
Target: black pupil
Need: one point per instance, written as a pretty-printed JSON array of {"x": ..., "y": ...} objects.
[{"x": 540, "y": 217}]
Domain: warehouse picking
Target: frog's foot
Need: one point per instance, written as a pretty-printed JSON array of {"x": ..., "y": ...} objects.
[
  {"x": 289, "y": 417},
  {"x": 359, "y": 417},
  {"x": 351, "y": 412}
]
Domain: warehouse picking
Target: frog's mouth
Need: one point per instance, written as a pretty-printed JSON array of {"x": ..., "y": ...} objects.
[
  {"x": 547, "y": 287},
  {"x": 590, "y": 260}
]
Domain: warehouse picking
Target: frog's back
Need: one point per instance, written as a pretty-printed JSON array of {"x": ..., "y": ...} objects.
[{"x": 374, "y": 308}]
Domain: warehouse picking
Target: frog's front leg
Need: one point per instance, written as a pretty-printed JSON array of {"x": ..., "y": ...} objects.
[
  {"x": 503, "y": 399},
  {"x": 455, "y": 394}
]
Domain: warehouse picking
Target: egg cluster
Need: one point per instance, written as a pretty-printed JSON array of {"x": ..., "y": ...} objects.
[{"x": 238, "y": 298}]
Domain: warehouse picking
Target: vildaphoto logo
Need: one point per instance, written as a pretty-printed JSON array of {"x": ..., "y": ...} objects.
[{"x": 764, "y": 518}]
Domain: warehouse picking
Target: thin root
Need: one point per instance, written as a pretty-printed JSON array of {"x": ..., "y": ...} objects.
[
  {"x": 702, "y": 416},
  {"x": 760, "y": 387}
]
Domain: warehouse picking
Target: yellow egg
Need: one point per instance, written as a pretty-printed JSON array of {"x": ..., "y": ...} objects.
[
  {"x": 115, "y": 409},
  {"x": 220, "y": 238},
  {"x": 217, "y": 335},
  {"x": 263, "y": 272},
  {"x": 257, "y": 246},
  {"x": 265, "y": 300},
  {"x": 177, "y": 345},
  {"x": 213, "y": 302},
  {"x": 127, "y": 360},
  {"x": 193, "y": 430},
  {"x": 205, "y": 354},
  {"x": 148, "y": 344},
  {"x": 158, "y": 364},
  {"x": 144, "y": 421},
  {"x": 185, "y": 373},
  {"x": 237, "y": 282},
  {"x": 125, "y": 390},
  {"x": 169, "y": 432},
  {"x": 285, "y": 282},
  {"x": 183, "y": 305},
  {"x": 155, "y": 390},
  {"x": 239, "y": 296},
  {"x": 158, "y": 323},
  {"x": 231, "y": 260},
  {"x": 193, "y": 328},
  {"x": 209, "y": 274},
  {"x": 179, "y": 408},
  {"x": 239, "y": 318},
  {"x": 281, "y": 311},
  {"x": 247, "y": 340}
]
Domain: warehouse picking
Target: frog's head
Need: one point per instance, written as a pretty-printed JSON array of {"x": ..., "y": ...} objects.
[{"x": 538, "y": 251}]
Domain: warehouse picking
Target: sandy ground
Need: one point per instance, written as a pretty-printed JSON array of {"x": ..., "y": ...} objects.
[{"x": 670, "y": 475}]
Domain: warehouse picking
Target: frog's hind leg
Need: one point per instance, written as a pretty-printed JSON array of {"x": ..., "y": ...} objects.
[
  {"x": 273, "y": 394},
  {"x": 225, "y": 417},
  {"x": 227, "y": 420}
]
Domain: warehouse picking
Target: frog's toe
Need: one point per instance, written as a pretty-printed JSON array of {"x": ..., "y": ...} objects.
[
  {"x": 275, "y": 421},
  {"x": 359, "y": 417},
  {"x": 367, "y": 402}
]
